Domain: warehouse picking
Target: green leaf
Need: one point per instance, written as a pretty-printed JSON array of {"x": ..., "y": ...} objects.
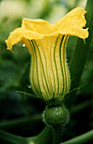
[
  {"x": 82, "y": 139},
  {"x": 12, "y": 139},
  {"x": 80, "y": 55},
  {"x": 20, "y": 123}
]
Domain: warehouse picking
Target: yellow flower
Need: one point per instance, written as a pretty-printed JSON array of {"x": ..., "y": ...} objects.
[{"x": 49, "y": 75}]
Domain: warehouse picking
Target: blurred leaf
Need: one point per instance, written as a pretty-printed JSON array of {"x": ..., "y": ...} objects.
[
  {"x": 12, "y": 139},
  {"x": 80, "y": 55},
  {"x": 10, "y": 75},
  {"x": 82, "y": 139}
]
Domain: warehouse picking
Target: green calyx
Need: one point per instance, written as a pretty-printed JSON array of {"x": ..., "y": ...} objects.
[{"x": 56, "y": 115}]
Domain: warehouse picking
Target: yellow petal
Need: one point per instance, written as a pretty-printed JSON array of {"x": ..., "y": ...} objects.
[
  {"x": 19, "y": 34},
  {"x": 39, "y": 26},
  {"x": 73, "y": 23},
  {"x": 49, "y": 70}
]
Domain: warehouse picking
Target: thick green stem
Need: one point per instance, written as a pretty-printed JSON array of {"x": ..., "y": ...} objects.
[
  {"x": 57, "y": 133},
  {"x": 82, "y": 139},
  {"x": 45, "y": 137}
]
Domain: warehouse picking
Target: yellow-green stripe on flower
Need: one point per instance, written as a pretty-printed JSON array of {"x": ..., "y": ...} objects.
[{"x": 49, "y": 75}]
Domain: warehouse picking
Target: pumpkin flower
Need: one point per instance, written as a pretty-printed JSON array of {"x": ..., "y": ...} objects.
[{"x": 49, "y": 74}]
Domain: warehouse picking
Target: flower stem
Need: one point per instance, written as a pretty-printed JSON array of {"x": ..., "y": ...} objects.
[
  {"x": 57, "y": 132},
  {"x": 45, "y": 137}
]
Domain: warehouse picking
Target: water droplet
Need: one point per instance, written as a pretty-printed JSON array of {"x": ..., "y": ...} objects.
[
  {"x": 29, "y": 86},
  {"x": 24, "y": 45}
]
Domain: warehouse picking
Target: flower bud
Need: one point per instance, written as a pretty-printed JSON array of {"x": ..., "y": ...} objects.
[{"x": 49, "y": 74}]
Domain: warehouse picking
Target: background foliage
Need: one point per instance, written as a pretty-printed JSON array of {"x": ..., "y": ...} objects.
[{"x": 20, "y": 110}]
